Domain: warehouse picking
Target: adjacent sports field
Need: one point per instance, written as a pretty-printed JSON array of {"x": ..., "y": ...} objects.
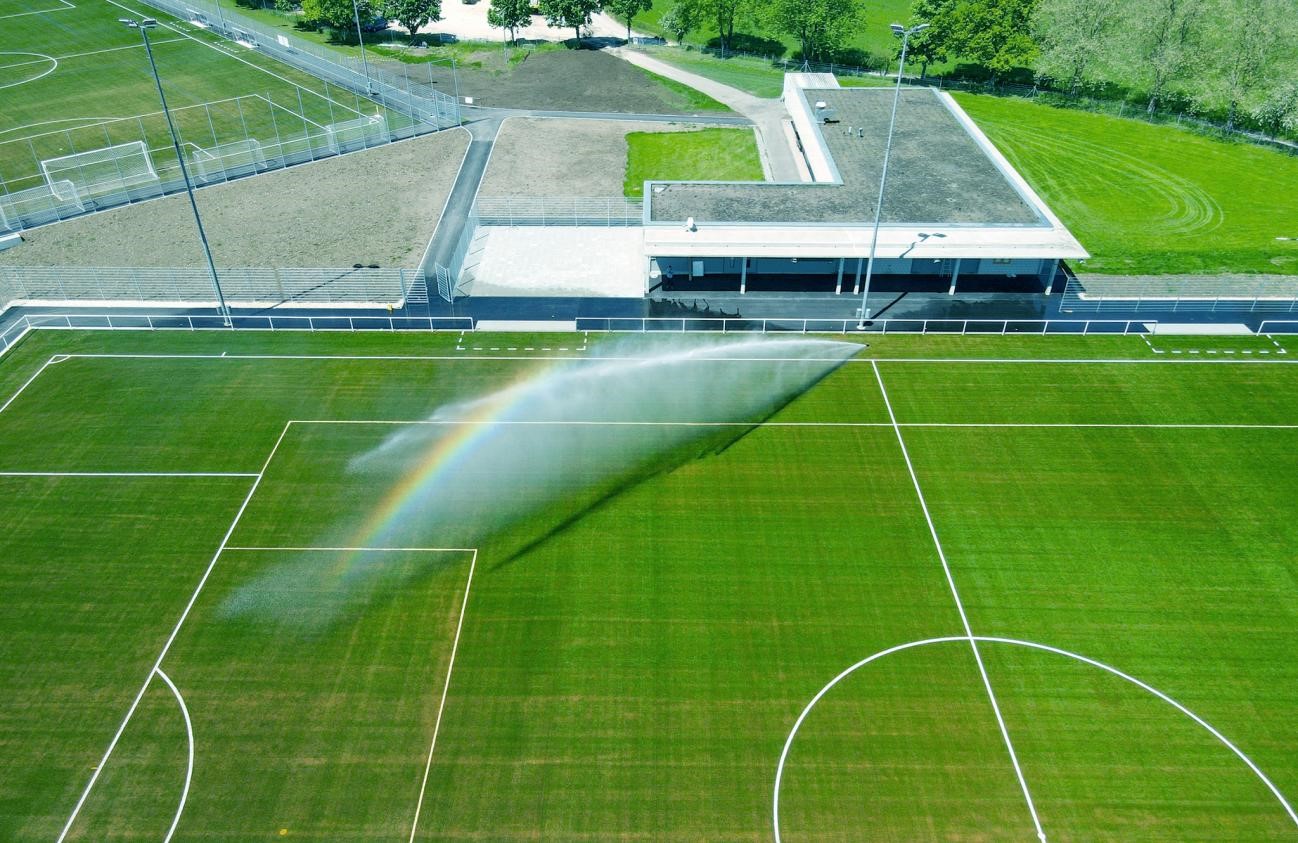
[
  {"x": 1063, "y": 565},
  {"x": 73, "y": 79}
]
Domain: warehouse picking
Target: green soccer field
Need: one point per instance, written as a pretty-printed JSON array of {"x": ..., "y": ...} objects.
[
  {"x": 75, "y": 80},
  {"x": 369, "y": 587}
]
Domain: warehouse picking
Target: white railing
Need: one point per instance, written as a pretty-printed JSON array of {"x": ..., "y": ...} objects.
[
  {"x": 262, "y": 322},
  {"x": 242, "y": 286},
  {"x": 560, "y": 211},
  {"x": 1178, "y": 294},
  {"x": 690, "y": 324}
]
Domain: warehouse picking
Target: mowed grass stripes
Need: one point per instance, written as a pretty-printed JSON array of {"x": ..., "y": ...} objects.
[{"x": 630, "y": 664}]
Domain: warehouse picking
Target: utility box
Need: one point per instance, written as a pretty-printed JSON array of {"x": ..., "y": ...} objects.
[{"x": 824, "y": 113}]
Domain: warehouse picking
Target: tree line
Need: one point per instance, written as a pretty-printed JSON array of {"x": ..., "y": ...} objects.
[
  {"x": 1233, "y": 59},
  {"x": 1227, "y": 58}
]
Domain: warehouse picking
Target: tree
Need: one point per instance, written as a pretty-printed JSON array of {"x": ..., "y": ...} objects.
[
  {"x": 510, "y": 15},
  {"x": 337, "y": 14},
  {"x": 574, "y": 13},
  {"x": 996, "y": 34},
  {"x": 1279, "y": 111},
  {"x": 1074, "y": 36},
  {"x": 679, "y": 19},
  {"x": 927, "y": 47},
  {"x": 821, "y": 26},
  {"x": 414, "y": 14},
  {"x": 1164, "y": 37},
  {"x": 628, "y": 9},
  {"x": 1243, "y": 52},
  {"x": 726, "y": 13}
]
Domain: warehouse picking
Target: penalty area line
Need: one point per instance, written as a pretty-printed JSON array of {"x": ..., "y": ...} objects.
[
  {"x": 441, "y": 706},
  {"x": 193, "y": 598}
]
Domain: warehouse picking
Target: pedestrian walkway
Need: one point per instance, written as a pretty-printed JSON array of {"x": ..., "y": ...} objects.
[{"x": 768, "y": 115}]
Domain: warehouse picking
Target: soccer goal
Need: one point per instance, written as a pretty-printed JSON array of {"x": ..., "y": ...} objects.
[
  {"x": 228, "y": 160},
  {"x": 355, "y": 134},
  {"x": 105, "y": 170},
  {"x": 37, "y": 205}
]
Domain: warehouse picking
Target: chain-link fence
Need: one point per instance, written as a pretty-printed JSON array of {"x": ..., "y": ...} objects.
[
  {"x": 67, "y": 172},
  {"x": 559, "y": 211},
  {"x": 886, "y": 70},
  {"x": 403, "y": 92},
  {"x": 245, "y": 287}
]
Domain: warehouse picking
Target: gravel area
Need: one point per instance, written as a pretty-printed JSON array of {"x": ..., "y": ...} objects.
[
  {"x": 938, "y": 173},
  {"x": 556, "y": 157},
  {"x": 378, "y": 206}
]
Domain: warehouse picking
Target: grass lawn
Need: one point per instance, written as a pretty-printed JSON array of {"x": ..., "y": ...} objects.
[
  {"x": 631, "y": 652},
  {"x": 708, "y": 154},
  {"x": 1151, "y": 199},
  {"x": 872, "y": 36},
  {"x": 79, "y": 78}
]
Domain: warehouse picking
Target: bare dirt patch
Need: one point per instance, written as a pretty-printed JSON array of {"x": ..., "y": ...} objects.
[
  {"x": 378, "y": 206},
  {"x": 564, "y": 80},
  {"x": 557, "y": 157}
]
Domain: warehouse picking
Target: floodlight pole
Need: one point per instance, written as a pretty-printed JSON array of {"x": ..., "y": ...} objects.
[
  {"x": 897, "y": 29},
  {"x": 144, "y": 25},
  {"x": 360, "y": 39}
]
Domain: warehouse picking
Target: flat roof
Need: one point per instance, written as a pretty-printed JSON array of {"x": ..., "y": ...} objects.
[{"x": 939, "y": 172}]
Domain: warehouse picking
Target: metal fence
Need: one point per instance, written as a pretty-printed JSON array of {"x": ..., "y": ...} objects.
[
  {"x": 691, "y": 324},
  {"x": 1182, "y": 294},
  {"x": 261, "y": 322},
  {"x": 221, "y": 140},
  {"x": 887, "y": 68},
  {"x": 560, "y": 211},
  {"x": 401, "y": 93},
  {"x": 225, "y": 139},
  {"x": 242, "y": 286}
]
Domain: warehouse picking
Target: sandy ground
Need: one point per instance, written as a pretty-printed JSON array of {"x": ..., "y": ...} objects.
[
  {"x": 558, "y": 157},
  {"x": 468, "y": 21},
  {"x": 378, "y": 206},
  {"x": 534, "y": 261}
]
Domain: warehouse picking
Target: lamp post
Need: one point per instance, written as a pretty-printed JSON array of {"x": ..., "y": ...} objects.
[
  {"x": 144, "y": 25},
  {"x": 360, "y": 39},
  {"x": 903, "y": 33}
]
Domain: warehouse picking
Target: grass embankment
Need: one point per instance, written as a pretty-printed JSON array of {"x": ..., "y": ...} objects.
[
  {"x": 711, "y": 154},
  {"x": 1151, "y": 199}
]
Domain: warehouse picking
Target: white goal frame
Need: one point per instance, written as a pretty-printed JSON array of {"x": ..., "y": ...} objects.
[{"x": 108, "y": 161}]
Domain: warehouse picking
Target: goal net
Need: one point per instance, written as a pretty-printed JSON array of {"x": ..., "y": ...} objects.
[
  {"x": 106, "y": 170},
  {"x": 356, "y": 134},
  {"x": 37, "y": 205},
  {"x": 227, "y": 160}
]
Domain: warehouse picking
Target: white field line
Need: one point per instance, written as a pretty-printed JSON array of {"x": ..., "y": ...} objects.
[
  {"x": 124, "y": 474},
  {"x": 171, "y": 638},
  {"x": 43, "y": 58},
  {"x": 360, "y": 549},
  {"x": 57, "y": 358},
  {"x": 189, "y": 766},
  {"x": 1110, "y": 361},
  {"x": 6, "y": 349},
  {"x": 65, "y": 5},
  {"x": 227, "y": 54},
  {"x": 56, "y": 59},
  {"x": 92, "y": 121},
  {"x": 441, "y": 706},
  {"x": 964, "y": 618},
  {"x": 788, "y": 743},
  {"x": 623, "y": 423}
]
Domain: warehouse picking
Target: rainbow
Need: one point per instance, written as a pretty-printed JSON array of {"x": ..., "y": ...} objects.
[{"x": 440, "y": 461}]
